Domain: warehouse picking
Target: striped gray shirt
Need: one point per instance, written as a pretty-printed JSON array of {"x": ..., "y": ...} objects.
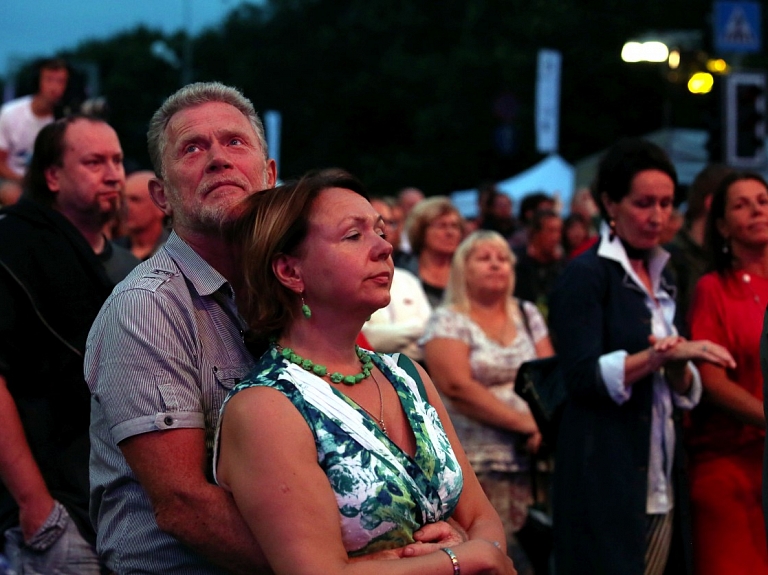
[{"x": 162, "y": 354}]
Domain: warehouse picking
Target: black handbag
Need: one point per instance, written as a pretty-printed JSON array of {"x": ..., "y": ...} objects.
[{"x": 540, "y": 383}]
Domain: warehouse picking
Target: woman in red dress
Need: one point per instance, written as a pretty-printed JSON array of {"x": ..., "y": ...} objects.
[{"x": 727, "y": 430}]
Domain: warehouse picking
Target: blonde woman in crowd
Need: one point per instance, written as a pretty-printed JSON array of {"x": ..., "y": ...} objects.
[{"x": 473, "y": 346}]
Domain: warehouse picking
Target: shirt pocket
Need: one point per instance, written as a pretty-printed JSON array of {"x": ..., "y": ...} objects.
[{"x": 229, "y": 377}]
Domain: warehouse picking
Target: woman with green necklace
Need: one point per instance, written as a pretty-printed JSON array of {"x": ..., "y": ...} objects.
[{"x": 333, "y": 453}]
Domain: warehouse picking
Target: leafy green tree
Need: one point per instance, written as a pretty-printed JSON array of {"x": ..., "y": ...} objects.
[{"x": 407, "y": 93}]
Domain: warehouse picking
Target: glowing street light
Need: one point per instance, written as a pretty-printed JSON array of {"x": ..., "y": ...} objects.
[
  {"x": 645, "y": 52},
  {"x": 700, "y": 83},
  {"x": 718, "y": 66},
  {"x": 674, "y": 59}
]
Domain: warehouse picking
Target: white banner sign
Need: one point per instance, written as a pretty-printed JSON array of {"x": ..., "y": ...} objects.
[
  {"x": 273, "y": 122},
  {"x": 548, "y": 101}
]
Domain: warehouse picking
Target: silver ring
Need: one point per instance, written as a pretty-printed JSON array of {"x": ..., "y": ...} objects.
[{"x": 703, "y": 348}]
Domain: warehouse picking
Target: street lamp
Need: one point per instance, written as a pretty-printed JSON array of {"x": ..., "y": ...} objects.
[
  {"x": 687, "y": 64},
  {"x": 701, "y": 83},
  {"x": 651, "y": 51}
]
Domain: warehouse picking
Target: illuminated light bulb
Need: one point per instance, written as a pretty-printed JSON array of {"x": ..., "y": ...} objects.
[
  {"x": 700, "y": 83},
  {"x": 718, "y": 66},
  {"x": 631, "y": 52},
  {"x": 655, "y": 51},
  {"x": 674, "y": 59}
]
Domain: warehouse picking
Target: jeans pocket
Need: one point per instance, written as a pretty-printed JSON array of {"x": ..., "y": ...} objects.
[{"x": 50, "y": 531}]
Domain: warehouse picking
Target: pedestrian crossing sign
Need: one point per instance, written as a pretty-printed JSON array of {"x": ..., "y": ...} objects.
[{"x": 737, "y": 27}]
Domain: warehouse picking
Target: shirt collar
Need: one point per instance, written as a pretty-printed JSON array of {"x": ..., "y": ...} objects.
[
  {"x": 200, "y": 273},
  {"x": 613, "y": 249}
]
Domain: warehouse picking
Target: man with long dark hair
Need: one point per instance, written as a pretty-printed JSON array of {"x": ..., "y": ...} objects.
[{"x": 56, "y": 269}]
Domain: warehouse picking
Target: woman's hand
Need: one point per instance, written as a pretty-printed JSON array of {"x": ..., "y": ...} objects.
[
  {"x": 435, "y": 536},
  {"x": 444, "y": 533},
  {"x": 483, "y": 557},
  {"x": 449, "y": 367},
  {"x": 675, "y": 352},
  {"x": 676, "y": 349},
  {"x": 527, "y": 425},
  {"x": 533, "y": 442},
  {"x": 664, "y": 344},
  {"x": 478, "y": 556}
]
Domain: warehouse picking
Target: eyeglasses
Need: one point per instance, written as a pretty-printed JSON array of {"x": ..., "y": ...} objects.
[{"x": 442, "y": 226}]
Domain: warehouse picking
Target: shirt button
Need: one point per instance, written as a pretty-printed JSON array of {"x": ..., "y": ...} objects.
[{"x": 168, "y": 420}]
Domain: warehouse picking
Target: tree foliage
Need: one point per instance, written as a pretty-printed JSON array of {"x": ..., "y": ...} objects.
[{"x": 408, "y": 93}]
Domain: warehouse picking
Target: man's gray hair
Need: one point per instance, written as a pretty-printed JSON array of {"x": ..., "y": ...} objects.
[{"x": 188, "y": 97}]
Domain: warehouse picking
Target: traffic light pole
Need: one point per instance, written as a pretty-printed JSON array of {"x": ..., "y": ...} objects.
[{"x": 744, "y": 120}]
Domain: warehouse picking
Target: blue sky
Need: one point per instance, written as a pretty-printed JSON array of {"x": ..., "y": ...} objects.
[{"x": 36, "y": 28}]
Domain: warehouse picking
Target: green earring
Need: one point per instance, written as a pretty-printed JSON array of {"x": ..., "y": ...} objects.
[{"x": 305, "y": 309}]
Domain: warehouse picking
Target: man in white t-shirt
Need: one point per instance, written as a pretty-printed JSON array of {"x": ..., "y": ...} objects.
[{"x": 21, "y": 119}]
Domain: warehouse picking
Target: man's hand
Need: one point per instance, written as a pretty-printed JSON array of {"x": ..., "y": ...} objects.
[
  {"x": 18, "y": 470},
  {"x": 33, "y": 514}
]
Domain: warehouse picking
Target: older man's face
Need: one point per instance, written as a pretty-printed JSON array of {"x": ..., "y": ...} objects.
[
  {"x": 213, "y": 160},
  {"x": 139, "y": 211}
]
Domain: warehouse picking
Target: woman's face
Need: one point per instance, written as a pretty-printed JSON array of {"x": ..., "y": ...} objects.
[
  {"x": 488, "y": 269},
  {"x": 443, "y": 234},
  {"x": 642, "y": 214},
  {"x": 344, "y": 257},
  {"x": 745, "y": 221},
  {"x": 575, "y": 234}
]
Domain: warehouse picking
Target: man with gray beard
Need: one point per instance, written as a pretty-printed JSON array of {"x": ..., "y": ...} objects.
[{"x": 168, "y": 345}]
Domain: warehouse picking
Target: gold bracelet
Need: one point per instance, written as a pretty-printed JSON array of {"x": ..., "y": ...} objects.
[{"x": 454, "y": 560}]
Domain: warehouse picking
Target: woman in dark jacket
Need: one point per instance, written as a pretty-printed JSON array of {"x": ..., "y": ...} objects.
[{"x": 620, "y": 507}]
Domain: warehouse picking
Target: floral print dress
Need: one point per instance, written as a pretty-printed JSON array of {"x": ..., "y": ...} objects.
[
  {"x": 383, "y": 494},
  {"x": 498, "y": 457},
  {"x": 495, "y": 366}
]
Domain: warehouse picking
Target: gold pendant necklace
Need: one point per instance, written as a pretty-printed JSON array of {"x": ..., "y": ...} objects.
[{"x": 380, "y": 419}]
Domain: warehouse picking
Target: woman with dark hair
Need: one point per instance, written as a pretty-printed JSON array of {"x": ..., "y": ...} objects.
[
  {"x": 333, "y": 452},
  {"x": 619, "y": 497},
  {"x": 575, "y": 235},
  {"x": 727, "y": 430}
]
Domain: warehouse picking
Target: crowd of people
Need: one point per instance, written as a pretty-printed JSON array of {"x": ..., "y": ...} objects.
[{"x": 202, "y": 371}]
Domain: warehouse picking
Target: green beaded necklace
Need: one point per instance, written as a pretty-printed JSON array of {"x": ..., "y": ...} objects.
[{"x": 321, "y": 371}]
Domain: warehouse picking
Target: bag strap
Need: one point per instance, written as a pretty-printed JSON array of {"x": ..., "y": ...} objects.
[
  {"x": 405, "y": 362},
  {"x": 533, "y": 459},
  {"x": 524, "y": 313}
]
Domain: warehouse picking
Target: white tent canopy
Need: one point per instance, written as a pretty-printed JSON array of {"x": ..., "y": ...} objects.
[{"x": 552, "y": 175}]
